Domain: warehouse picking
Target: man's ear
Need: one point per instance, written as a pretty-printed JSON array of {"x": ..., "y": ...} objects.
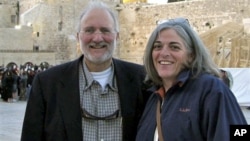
[
  {"x": 78, "y": 48},
  {"x": 77, "y": 36}
]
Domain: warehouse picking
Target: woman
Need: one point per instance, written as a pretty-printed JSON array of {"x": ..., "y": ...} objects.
[{"x": 189, "y": 100}]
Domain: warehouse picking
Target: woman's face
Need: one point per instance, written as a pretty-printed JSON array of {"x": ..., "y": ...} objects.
[{"x": 169, "y": 55}]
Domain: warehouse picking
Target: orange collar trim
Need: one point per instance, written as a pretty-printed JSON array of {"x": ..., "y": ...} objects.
[{"x": 161, "y": 92}]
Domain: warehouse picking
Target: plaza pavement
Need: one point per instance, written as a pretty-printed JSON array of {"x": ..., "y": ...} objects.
[
  {"x": 11, "y": 118},
  {"x": 12, "y": 114}
]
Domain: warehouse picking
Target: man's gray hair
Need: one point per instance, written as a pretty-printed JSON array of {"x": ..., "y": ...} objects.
[{"x": 100, "y": 5}]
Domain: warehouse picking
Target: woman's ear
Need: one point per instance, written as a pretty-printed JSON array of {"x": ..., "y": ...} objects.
[
  {"x": 117, "y": 35},
  {"x": 191, "y": 57}
]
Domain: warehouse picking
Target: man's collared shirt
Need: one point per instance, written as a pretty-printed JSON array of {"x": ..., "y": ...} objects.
[{"x": 100, "y": 103}]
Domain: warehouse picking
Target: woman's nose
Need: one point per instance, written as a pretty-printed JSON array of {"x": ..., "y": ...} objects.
[{"x": 165, "y": 51}]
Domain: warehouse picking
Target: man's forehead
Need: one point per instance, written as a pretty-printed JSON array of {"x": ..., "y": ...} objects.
[
  {"x": 96, "y": 13},
  {"x": 97, "y": 18}
]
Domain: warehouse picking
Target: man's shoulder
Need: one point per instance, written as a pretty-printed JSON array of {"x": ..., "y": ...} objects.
[
  {"x": 127, "y": 63},
  {"x": 60, "y": 68},
  {"x": 129, "y": 69}
]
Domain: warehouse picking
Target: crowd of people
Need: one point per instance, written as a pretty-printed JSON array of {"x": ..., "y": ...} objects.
[
  {"x": 16, "y": 81},
  {"x": 177, "y": 94}
]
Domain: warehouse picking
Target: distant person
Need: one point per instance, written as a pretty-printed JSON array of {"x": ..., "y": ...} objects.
[
  {"x": 23, "y": 84},
  {"x": 93, "y": 98},
  {"x": 227, "y": 78},
  {"x": 9, "y": 86},
  {"x": 1, "y": 75},
  {"x": 189, "y": 102}
]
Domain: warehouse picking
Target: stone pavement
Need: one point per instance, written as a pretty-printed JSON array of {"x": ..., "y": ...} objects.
[
  {"x": 11, "y": 119},
  {"x": 12, "y": 114},
  {"x": 246, "y": 112}
]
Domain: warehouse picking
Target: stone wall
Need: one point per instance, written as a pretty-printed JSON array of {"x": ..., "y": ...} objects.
[
  {"x": 16, "y": 39},
  {"x": 21, "y": 57},
  {"x": 54, "y": 21},
  {"x": 6, "y": 13},
  {"x": 138, "y": 20}
]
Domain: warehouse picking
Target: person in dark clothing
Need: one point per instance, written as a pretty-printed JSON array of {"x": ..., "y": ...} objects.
[
  {"x": 93, "y": 98},
  {"x": 1, "y": 76},
  {"x": 23, "y": 84},
  {"x": 189, "y": 100},
  {"x": 10, "y": 86}
]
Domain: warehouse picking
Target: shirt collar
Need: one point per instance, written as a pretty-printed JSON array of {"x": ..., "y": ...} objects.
[
  {"x": 181, "y": 80},
  {"x": 183, "y": 77},
  {"x": 89, "y": 78}
]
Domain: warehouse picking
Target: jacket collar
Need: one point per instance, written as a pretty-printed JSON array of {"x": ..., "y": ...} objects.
[{"x": 69, "y": 99}]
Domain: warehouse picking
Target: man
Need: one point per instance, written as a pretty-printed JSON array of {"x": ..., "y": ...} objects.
[{"x": 94, "y": 98}]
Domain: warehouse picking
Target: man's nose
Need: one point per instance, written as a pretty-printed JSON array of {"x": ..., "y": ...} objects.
[{"x": 98, "y": 36}]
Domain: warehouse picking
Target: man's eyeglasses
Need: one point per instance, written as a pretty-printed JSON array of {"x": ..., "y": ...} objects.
[
  {"x": 172, "y": 21},
  {"x": 92, "y": 32},
  {"x": 87, "y": 115}
]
